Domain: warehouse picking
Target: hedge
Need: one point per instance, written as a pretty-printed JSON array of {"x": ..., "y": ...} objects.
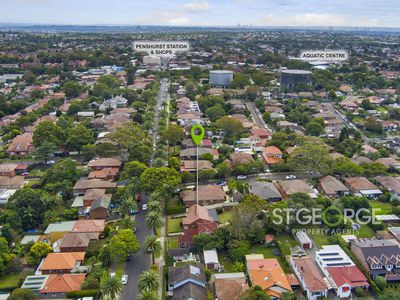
[
  {"x": 83, "y": 293},
  {"x": 8, "y": 289}
]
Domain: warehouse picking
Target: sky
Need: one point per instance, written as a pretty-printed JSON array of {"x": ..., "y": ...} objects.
[{"x": 364, "y": 13}]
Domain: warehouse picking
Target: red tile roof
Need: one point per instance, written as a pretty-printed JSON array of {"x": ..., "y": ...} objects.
[
  {"x": 63, "y": 283},
  {"x": 350, "y": 275}
]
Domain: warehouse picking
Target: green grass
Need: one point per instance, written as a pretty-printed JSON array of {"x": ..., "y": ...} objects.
[
  {"x": 174, "y": 225},
  {"x": 225, "y": 217},
  {"x": 286, "y": 242},
  {"x": 365, "y": 232},
  {"x": 173, "y": 243},
  {"x": 9, "y": 281},
  {"x": 385, "y": 207}
]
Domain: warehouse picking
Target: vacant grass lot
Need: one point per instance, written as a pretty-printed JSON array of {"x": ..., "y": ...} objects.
[{"x": 386, "y": 208}]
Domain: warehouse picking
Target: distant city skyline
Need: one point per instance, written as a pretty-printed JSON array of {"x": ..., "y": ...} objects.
[{"x": 292, "y": 13}]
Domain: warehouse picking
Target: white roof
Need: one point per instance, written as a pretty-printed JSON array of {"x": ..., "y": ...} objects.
[
  {"x": 387, "y": 218},
  {"x": 30, "y": 238},
  {"x": 210, "y": 256}
]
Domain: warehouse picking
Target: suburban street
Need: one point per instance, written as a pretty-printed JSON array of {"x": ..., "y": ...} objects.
[
  {"x": 257, "y": 118},
  {"x": 160, "y": 99},
  {"x": 139, "y": 261}
]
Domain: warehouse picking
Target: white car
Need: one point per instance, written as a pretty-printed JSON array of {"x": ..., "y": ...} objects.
[
  {"x": 290, "y": 177},
  {"x": 241, "y": 177},
  {"x": 144, "y": 206},
  {"x": 124, "y": 279}
]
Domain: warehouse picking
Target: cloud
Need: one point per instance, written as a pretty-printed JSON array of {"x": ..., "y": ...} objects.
[
  {"x": 197, "y": 6},
  {"x": 314, "y": 19},
  {"x": 164, "y": 18}
]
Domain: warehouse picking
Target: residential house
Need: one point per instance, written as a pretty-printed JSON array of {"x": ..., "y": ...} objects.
[
  {"x": 8, "y": 169},
  {"x": 241, "y": 158},
  {"x": 56, "y": 231},
  {"x": 207, "y": 195},
  {"x": 272, "y": 155},
  {"x": 310, "y": 278},
  {"x": 100, "y": 208},
  {"x": 104, "y": 174},
  {"x": 332, "y": 187},
  {"x": 389, "y": 163},
  {"x": 268, "y": 274},
  {"x": 378, "y": 257},
  {"x": 187, "y": 282},
  {"x": 228, "y": 286},
  {"x": 21, "y": 145},
  {"x": 391, "y": 184},
  {"x": 84, "y": 184},
  {"x": 265, "y": 190},
  {"x": 89, "y": 226},
  {"x": 77, "y": 242},
  {"x": 103, "y": 163},
  {"x": 191, "y": 153},
  {"x": 61, "y": 263},
  {"x": 191, "y": 165},
  {"x": 363, "y": 187},
  {"x": 11, "y": 183},
  {"x": 54, "y": 286},
  {"x": 196, "y": 222},
  {"x": 262, "y": 133},
  {"x": 290, "y": 187},
  {"x": 113, "y": 103},
  {"x": 341, "y": 271}
]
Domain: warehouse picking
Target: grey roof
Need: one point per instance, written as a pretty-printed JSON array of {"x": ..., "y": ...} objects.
[
  {"x": 194, "y": 272},
  {"x": 65, "y": 226},
  {"x": 30, "y": 238},
  {"x": 102, "y": 202},
  {"x": 190, "y": 291},
  {"x": 265, "y": 190}
]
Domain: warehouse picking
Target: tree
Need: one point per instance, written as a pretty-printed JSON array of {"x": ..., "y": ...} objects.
[
  {"x": 173, "y": 162},
  {"x": 22, "y": 294},
  {"x": 78, "y": 137},
  {"x": 127, "y": 205},
  {"x": 45, "y": 151},
  {"x": 380, "y": 282},
  {"x": 49, "y": 132},
  {"x": 133, "y": 169},
  {"x": 224, "y": 169},
  {"x": 163, "y": 179},
  {"x": 122, "y": 244},
  {"x": 314, "y": 129},
  {"x": 254, "y": 293},
  {"x": 38, "y": 251},
  {"x": 63, "y": 170},
  {"x": 152, "y": 245},
  {"x": 30, "y": 205},
  {"x": 389, "y": 293},
  {"x": 238, "y": 249},
  {"x": 111, "y": 288},
  {"x": 173, "y": 134},
  {"x": 72, "y": 89},
  {"x": 372, "y": 124},
  {"x": 343, "y": 165},
  {"x": 5, "y": 256},
  {"x": 215, "y": 112},
  {"x": 147, "y": 295},
  {"x": 231, "y": 126},
  {"x": 312, "y": 155},
  {"x": 153, "y": 220},
  {"x": 148, "y": 281}
]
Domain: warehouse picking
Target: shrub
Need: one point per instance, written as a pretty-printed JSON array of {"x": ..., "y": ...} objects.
[
  {"x": 380, "y": 282},
  {"x": 81, "y": 294}
]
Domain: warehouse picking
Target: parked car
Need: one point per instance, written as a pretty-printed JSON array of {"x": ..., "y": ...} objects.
[
  {"x": 241, "y": 177},
  {"x": 290, "y": 177},
  {"x": 221, "y": 183},
  {"x": 144, "y": 207},
  {"x": 50, "y": 162},
  {"x": 124, "y": 279}
]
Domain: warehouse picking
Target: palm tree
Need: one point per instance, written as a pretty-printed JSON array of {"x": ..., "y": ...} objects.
[
  {"x": 112, "y": 288},
  {"x": 151, "y": 244},
  {"x": 154, "y": 206},
  {"x": 127, "y": 204},
  {"x": 153, "y": 220},
  {"x": 147, "y": 295},
  {"x": 148, "y": 281}
]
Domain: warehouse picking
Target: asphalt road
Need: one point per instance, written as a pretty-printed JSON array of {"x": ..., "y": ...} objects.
[
  {"x": 139, "y": 261},
  {"x": 160, "y": 99}
]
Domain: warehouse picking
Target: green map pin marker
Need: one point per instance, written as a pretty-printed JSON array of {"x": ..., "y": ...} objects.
[{"x": 197, "y": 138}]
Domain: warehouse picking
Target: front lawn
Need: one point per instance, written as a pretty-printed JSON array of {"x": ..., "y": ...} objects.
[
  {"x": 9, "y": 281},
  {"x": 225, "y": 217},
  {"x": 173, "y": 243},
  {"x": 174, "y": 225},
  {"x": 385, "y": 208}
]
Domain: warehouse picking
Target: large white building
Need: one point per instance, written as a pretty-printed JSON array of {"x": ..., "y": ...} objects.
[
  {"x": 332, "y": 256},
  {"x": 221, "y": 78}
]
